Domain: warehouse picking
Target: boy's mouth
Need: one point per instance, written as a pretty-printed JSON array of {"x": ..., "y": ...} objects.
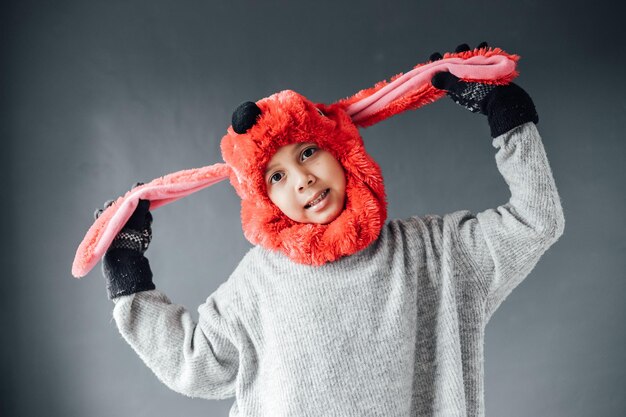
[{"x": 318, "y": 199}]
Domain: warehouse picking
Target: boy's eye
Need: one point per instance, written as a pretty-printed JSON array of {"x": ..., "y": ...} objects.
[
  {"x": 275, "y": 178},
  {"x": 308, "y": 152}
]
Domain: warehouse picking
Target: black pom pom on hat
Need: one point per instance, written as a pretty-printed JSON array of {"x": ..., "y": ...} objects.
[{"x": 244, "y": 116}]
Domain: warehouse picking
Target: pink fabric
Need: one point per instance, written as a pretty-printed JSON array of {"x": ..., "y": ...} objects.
[
  {"x": 478, "y": 67},
  {"x": 159, "y": 192},
  {"x": 177, "y": 185}
]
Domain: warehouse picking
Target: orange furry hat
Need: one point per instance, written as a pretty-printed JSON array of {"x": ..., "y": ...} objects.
[
  {"x": 288, "y": 117},
  {"x": 285, "y": 118}
]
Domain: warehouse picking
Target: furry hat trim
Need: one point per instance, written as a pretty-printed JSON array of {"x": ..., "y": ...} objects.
[{"x": 288, "y": 117}]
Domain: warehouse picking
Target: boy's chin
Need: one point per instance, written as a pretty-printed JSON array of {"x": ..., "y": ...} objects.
[{"x": 327, "y": 218}]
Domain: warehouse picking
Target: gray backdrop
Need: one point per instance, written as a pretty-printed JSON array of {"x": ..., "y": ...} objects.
[{"x": 99, "y": 94}]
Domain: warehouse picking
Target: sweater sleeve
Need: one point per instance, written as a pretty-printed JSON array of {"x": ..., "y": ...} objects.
[
  {"x": 505, "y": 243},
  {"x": 194, "y": 359}
]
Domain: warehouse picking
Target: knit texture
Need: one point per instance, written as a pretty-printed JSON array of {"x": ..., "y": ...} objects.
[
  {"x": 508, "y": 107},
  {"x": 126, "y": 271},
  {"x": 396, "y": 329}
]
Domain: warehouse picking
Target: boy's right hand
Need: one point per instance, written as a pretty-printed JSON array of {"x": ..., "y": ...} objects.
[
  {"x": 137, "y": 232},
  {"x": 124, "y": 267}
]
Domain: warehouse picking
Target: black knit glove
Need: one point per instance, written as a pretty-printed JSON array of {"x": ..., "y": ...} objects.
[
  {"x": 124, "y": 267},
  {"x": 506, "y": 106}
]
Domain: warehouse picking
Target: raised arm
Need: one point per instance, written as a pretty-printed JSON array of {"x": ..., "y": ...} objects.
[
  {"x": 506, "y": 243},
  {"x": 194, "y": 359}
]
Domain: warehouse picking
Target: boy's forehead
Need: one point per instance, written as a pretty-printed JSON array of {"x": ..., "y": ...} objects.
[{"x": 286, "y": 151}]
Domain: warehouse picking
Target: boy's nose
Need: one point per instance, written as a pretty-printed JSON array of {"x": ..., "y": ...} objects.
[{"x": 305, "y": 180}]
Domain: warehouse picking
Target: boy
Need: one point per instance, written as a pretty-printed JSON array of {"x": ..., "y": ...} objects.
[{"x": 363, "y": 319}]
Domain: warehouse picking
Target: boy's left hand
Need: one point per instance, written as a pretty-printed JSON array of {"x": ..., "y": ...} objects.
[{"x": 506, "y": 106}]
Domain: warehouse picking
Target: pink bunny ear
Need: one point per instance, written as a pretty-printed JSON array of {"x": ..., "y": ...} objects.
[
  {"x": 413, "y": 89},
  {"x": 160, "y": 191}
]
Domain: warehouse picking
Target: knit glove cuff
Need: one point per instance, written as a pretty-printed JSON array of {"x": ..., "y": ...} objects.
[
  {"x": 507, "y": 107},
  {"x": 126, "y": 271},
  {"x": 133, "y": 239}
]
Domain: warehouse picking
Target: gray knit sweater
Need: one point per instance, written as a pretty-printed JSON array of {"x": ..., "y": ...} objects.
[{"x": 396, "y": 329}]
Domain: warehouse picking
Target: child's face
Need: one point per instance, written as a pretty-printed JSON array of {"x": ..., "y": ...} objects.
[{"x": 299, "y": 173}]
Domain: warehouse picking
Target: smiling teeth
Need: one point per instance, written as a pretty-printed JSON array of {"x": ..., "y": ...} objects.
[{"x": 318, "y": 199}]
